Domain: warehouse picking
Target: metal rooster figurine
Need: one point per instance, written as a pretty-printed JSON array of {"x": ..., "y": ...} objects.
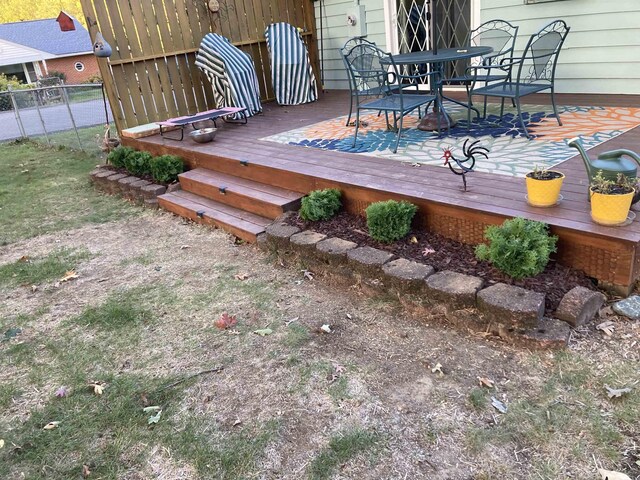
[{"x": 462, "y": 167}]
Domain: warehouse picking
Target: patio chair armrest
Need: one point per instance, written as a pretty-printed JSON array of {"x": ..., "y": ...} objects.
[{"x": 472, "y": 70}]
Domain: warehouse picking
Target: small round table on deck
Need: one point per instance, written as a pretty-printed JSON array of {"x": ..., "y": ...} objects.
[{"x": 430, "y": 121}]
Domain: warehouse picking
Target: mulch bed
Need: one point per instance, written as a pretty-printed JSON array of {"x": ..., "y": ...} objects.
[
  {"x": 554, "y": 282},
  {"x": 146, "y": 177}
]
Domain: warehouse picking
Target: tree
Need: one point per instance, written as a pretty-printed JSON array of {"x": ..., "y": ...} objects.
[{"x": 18, "y": 10}]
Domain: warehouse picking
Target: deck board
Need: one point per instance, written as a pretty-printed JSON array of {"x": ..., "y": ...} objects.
[{"x": 435, "y": 189}]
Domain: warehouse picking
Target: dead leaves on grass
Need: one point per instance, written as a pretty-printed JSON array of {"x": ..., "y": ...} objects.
[
  {"x": 85, "y": 471},
  {"x": 263, "y": 332},
  {"x": 611, "y": 475},
  {"x": 486, "y": 382},
  {"x": 51, "y": 426},
  {"x": 226, "y": 321},
  {"x": 68, "y": 276},
  {"x": 616, "y": 392},
  {"x": 98, "y": 387},
  {"x": 606, "y": 327},
  {"x": 156, "y": 410}
]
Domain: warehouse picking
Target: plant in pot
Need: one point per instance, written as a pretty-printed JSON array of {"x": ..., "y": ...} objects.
[
  {"x": 543, "y": 187},
  {"x": 611, "y": 199}
]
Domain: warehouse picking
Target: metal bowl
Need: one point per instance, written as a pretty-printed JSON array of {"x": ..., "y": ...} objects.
[{"x": 203, "y": 135}]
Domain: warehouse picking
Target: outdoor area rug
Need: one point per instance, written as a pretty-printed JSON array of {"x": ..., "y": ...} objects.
[{"x": 510, "y": 152}]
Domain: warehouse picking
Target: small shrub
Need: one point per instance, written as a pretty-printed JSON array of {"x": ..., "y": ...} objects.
[
  {"x": 118, "y": 155},
  {"x": 166, "y": 168},
  {"x": 138, "y": 163},
  {"x": 320, "y": 205},
  {"x": 390, "y": 221},
  {"x": 95, "y": 78},
  {"x": 519, "y": 247}
]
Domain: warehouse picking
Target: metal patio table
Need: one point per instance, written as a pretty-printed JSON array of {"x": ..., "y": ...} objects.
[{"x": 437, "y": 59}]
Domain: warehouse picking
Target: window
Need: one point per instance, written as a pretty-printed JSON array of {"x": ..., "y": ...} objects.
[{"x": 79, "y": 66}]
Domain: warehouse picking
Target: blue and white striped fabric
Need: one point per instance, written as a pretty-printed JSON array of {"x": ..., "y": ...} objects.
[
  {"x": 231, "y": 73},
  {"x": 293, "y": 80}
]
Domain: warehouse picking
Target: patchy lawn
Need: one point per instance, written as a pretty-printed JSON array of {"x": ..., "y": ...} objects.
[{"x": 361, "y": 402}]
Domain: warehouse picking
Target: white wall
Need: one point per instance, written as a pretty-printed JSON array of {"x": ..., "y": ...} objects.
[
  {"x": 601, "y": 53},
  {"x": 12, "y": 53},
  {"x": 335, "y": 33}
]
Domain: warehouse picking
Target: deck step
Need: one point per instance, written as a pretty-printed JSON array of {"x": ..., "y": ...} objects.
[
  {"x": 240, "y": 223},
  {"x": 259, "y": 198}
]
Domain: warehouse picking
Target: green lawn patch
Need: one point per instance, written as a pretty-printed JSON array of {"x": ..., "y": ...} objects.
[
  {"x": 28, "y": 271},
  {"x": 342, "y": 448},
  {"x": 45, "y": 190}
]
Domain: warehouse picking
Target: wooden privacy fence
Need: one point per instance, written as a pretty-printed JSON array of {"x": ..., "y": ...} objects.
[{"x": 151, "y": 75}]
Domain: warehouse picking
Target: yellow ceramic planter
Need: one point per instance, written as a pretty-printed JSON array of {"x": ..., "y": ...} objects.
[
  {"x": 610, "y": 210},
  {"x": 543, "y": 193}
]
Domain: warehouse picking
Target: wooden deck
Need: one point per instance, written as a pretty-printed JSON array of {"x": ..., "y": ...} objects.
[{"x": 612, "y": 255}]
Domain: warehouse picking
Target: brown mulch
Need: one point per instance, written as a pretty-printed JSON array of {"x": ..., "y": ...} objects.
[{"x": 554, "y": 282}]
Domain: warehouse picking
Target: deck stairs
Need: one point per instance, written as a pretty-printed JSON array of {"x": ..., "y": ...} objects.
[{"x": 237, "y": 205}]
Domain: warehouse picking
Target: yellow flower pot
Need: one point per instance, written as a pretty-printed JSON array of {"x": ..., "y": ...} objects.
[
  {"x": 543, "y": 193},
  {"x": 610, "y": 210}
]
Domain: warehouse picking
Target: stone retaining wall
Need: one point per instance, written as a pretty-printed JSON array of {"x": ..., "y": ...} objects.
[
  {"x": 130, "y": 187},
  {"x": 512, "y": 313}
]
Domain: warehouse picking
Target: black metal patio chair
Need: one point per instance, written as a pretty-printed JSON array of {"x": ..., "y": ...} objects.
[
  {"x": 373, "y": 70},
  {"x": 501, "y": 36},
  {"x": 536, "y": 71}
]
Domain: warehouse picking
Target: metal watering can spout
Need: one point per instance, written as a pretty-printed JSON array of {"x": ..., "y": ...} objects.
[{"x": 577, "y": 143}]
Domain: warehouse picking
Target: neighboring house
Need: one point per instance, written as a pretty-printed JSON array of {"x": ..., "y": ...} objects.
[
  {"x": 33, "y": 49},
  {"x": 601, "y": 54}
]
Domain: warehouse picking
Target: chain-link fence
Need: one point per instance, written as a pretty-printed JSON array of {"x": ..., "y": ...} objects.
[{"x": 72, "y": 115}]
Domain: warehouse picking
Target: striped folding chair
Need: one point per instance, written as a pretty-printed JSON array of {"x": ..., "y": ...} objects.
[
  {"x": 291, "y": 73},
  {"x": 231, "y": 72}
]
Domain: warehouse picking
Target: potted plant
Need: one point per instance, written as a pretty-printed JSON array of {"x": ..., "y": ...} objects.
[
  {"x": 611, "y": 199},
  {"x": 543, "y": 187}
]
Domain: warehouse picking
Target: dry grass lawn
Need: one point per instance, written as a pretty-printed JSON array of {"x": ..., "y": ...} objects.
[{"x": 361, "y": 403}]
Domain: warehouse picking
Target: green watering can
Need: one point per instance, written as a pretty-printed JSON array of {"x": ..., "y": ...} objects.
[{"x": 610, "y": 163}]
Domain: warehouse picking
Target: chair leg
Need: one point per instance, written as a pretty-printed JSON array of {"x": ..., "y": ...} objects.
[
  {"x": 484, "y": 111},
  {"x": 355, "y": 135},
  {"x": 513, "y": 102},
  {"x": 350, "y": 111},
  {"x": 553, "y": 102},
  {"x": 395, "y": 150},
  {"x": 502, "y": 109},
  {"x": 526, "y": 132}
]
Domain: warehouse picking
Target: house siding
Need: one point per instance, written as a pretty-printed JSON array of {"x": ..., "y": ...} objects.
[
  {"x": 601, "y": 53},
  {"x": 335, "y": 32}
]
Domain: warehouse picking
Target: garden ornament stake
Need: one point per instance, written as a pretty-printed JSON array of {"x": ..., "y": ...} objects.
[
  {"x": 609, "y": 163},
  {"x": 462, "y": 167}
]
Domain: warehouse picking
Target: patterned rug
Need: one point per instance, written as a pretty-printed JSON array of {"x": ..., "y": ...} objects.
[{"x": 511, "y": 153}]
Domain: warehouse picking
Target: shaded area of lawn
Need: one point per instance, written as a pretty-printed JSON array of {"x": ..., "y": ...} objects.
[{"x": 44, "y": 190}]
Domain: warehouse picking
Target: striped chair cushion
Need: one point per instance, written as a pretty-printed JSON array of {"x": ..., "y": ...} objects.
[{"x": 293, "y": 80}]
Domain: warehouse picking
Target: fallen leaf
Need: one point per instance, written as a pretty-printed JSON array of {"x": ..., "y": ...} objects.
[
  {"x": 184, "y": 247},
  {"x": 241, "y": 276},
  {"x": 339, "y": 368},
  {"x": 437, "y": 369},
  {"x": 226, "y": 321},
  {"x": 616, "y": 392},
  {"x": 307, "y": 274},
  {"x": 289, "y": 322},
  {"x": 326, "y": 328},
  {"x": 98, "y": 387},
  {"x": 154, "y": 408},
  {"x": 24, "y": 259},
  {"x": 498, "y": 405},
  {"x": 237, "y": 422},
  {"x": 70, "y": 275},
  {"x": 413, "y": 239},
  {"x": 611, "y": 475},
  {"x": 233, "y": 332},
  {"x": 62, "y": 392},
  {"x": 155, "y": 418},
  {"x": 51, "y": 425},
  {"x": 85, "y": 471},
  {"x": 606, "y": 327},
  {"x": 263, "y": 332},
  {"x": 427, "y": 251},
  {"x": 349, "y": 316},
  {"x": 1, "y": 444},
  {"x": 34, "y": 288},
  {"x": 486, "y": 382}
]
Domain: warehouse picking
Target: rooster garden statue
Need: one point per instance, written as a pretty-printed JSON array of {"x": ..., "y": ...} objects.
[{"x": 466, "y": 165}]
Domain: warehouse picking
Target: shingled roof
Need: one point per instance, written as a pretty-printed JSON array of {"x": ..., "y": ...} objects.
[{"x": 45, "y": 35}]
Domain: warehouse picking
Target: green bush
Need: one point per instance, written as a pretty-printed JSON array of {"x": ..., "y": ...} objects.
[
  {"x": 166, "y": 168},
  {"x": 320, "y": 204},
  {"x": 118, "y": 155},
  {"x": 138, "y": 163},
  {"x": 390, "y": 221},
  {"x": 519, "y": 247}
]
